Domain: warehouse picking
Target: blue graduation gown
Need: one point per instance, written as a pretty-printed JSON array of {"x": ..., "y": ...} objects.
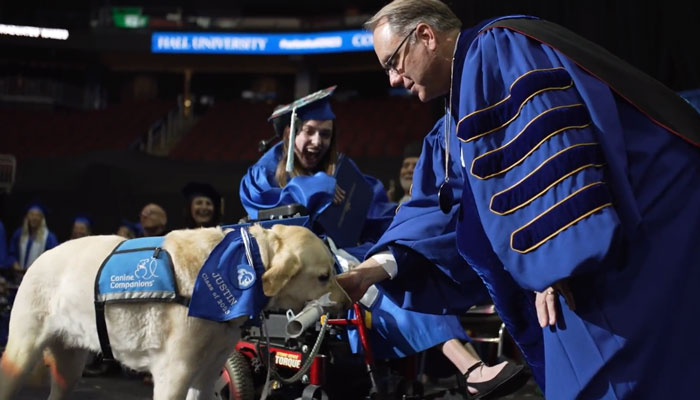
[
  {"x": 567, "y": 180},
  {"x": 259, "y": 190},
  {"x": 15, "y": 240},
  {"x": 5, "y": 261},
  {"x": 394, "y": 332}
]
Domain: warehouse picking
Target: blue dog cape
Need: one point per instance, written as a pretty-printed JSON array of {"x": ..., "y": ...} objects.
[
  {"x": 138, "y": 269},
  {"x": 229, "y": 284}
]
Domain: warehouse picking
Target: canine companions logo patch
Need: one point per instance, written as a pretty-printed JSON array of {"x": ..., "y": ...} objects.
[
  {"x": 146, "y": 268},
  {"x": 142, "y": 277}
]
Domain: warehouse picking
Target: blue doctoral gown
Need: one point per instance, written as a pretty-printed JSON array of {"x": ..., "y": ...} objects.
[
  {"x": 394, "y": 332},
  {"x": 568, "y": 180},
  {"x": 432, "y": 276}
]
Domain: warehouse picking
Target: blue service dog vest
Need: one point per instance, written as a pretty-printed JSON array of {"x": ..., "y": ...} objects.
[{"x": 137, "y": 270}]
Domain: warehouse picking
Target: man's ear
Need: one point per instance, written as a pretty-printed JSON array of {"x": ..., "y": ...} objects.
[{"x": 426, "y": 34}]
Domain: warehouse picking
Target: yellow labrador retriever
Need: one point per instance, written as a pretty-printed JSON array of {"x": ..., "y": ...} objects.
[{"x": 54, "y": 312}]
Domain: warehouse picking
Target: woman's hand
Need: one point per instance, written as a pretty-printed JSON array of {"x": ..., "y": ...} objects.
[
  {"x": 547, "y": 302},
  {"x": 339, "y": 195}
]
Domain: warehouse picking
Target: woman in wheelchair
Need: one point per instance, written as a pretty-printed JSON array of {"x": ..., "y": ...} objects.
[{"x": 310, "y": 180}]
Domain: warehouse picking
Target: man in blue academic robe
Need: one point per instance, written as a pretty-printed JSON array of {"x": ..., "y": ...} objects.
[{"x": 581, "y": 176}]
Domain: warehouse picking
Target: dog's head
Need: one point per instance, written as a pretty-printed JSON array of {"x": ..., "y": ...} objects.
[{"x": 298, "y": 267}]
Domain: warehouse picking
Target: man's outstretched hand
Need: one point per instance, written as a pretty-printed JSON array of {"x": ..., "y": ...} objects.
[{"x": 356, "y": 281}]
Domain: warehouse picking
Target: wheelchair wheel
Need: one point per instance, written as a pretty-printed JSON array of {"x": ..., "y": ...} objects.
[{"x": 236, "y": 380}]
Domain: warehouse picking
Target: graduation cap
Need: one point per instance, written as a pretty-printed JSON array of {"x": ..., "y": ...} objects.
[
  {"x": 38, "y": 206},
  {"x": 412, "y": 149},
  {"x": 315, "y": 106},
  {"x": 194, "y": 189},
  {"x": 312, "y": 106},
  {"x": 84, "y": 219}
]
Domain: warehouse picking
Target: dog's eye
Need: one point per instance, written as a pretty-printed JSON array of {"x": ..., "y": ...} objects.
[{"x": 324, "y": 277}]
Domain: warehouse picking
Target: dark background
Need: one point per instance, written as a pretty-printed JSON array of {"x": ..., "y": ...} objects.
[{"x": 116, "y": 67}]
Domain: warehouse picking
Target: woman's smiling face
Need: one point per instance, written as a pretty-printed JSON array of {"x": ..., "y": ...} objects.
[
  {"x": 202, "y": 210},
  {"x": 312, "y": 142}
]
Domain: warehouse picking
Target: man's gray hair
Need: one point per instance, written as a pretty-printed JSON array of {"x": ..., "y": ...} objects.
[{"x": 404, "y": 15}]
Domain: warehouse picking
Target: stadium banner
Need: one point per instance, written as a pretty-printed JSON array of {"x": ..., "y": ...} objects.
[{"x": 261, "y": 43}]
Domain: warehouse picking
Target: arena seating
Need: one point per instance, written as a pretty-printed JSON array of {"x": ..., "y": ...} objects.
[
  {"x": 229, "y": 131},
  {"x": 366, "y": 128},
  {"x": 380, "y": 127},
  {"x": 32, "y": 134}
]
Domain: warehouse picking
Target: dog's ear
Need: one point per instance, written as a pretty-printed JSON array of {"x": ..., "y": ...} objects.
[
  {"x": 280, "y": 263},
  {"x": 284, "y": 265}
]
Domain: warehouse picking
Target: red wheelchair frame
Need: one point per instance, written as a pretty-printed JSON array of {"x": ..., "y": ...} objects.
[{"x": 237, "y": 382}]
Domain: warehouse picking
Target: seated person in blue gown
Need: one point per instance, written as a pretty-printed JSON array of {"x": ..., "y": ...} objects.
[
  {"x": 82, "y": 226},
  {"x": 5, "y": 260},
  {"x": 267, "y": 184},
  {"x": 395, "y": 332},
  {"x": 30, "y": 240},
  {"x": 581, "y": 180}
]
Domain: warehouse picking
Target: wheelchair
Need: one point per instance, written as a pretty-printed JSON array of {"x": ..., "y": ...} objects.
[
  {"x": 313, "y": 367},
  {"x": 316, "y": 363}
]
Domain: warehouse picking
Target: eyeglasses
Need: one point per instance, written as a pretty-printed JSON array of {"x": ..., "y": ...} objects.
[{"x": 389, "y": 66}]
